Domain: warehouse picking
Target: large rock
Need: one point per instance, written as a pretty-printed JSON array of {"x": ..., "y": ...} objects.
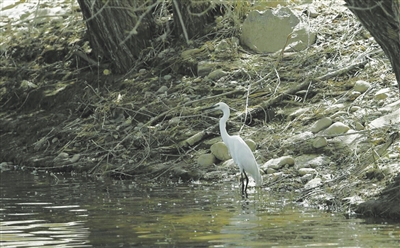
[
  {"x": 268, "y": 31},
  {"x": 251, "y": 143},
  {"x": 220, "y": 151},
  {"x": 206, "y": 160}
]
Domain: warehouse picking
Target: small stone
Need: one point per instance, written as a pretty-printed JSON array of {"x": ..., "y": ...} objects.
[
  {"x": 313, "y": 183},
  {"x": 40, "y": 143},
  {"x": 162, "y": 89},
  {"x": 319, "y": 142},
  {"x": 382, "y": 94},
  {"x": 270, "y": 171},
  {"x": 358, "y": 126},
  {"x": 361, "y": 86},
  {"x": 327, "y": 177},
  {"x": 54, "y": 140},
  {"x": 306, "y": 178},
  {"x": 304, "y": 171},
  {"x": 142, "y": 70},
  {"x": 206, "y": 160},
  {"x": 311, "y": 11},
  {"x": 222, "y": 46},
  {"x": 174, "y": 120},
  {"x": 337, "y": 128},
  {"x": 311, "y": 161},
  {"x": 217, "y": 74},
  {"x": 277, "y": 176},
  {"x": 25, "y": 84},
  {"x": 354, "y": 109},
  {"x": 321, "y": 124},
  {"x": 353, "y": 95},
  {"x": 220, "y": 151},
  {"x": 61, "y": 156},
  {"x": 204, "y": 68},
  {"x": 229, "y": 164},
  {"x": 167, "y": 77},
  {"x": 277, "y": 163},
  {"x": 75, "y": 158}
]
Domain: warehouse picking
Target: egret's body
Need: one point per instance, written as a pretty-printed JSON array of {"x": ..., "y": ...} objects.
[{"x": 239, "y": 150}]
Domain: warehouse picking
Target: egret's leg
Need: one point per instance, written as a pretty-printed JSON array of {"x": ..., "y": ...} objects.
[
  {"x": 247, "y": 180},
  {"x": 241, "y": 181}
]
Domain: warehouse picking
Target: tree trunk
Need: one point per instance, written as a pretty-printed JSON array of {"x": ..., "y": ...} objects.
[
  {"x": 382, "y": 20},
  {"x": 195, "y": 15},
  {"x": 118, "y": 30}
]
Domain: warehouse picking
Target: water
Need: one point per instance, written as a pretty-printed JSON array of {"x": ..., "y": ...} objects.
[{"x": 42, "y": 210}]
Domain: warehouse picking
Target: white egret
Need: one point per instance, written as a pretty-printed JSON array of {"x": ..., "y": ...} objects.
[{"x": 239, "y": 150}]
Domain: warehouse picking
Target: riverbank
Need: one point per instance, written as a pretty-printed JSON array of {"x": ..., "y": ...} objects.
[{"x": 61, "y": 114}]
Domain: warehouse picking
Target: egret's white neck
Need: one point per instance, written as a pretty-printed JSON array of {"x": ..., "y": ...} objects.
[{"x": 222, "y": 125}]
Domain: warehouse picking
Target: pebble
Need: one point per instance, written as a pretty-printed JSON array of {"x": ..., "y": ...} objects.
[
  {"x": 28, "y": 85},
  {"x": 174, "y": 120},
  {"x": 361, "y": 86},
  {"x": 337, "y": 128},
  {"x": 382, "y": 94},
  {"x": 305, "y": 171},
  {"x": 204, "y": 68},
  {"x": 306, "y": 178},
  {"x": 311, "y": 11},
  {"x": 358, "y": 126},
  {"x": 319, "y": 142},
  {"x": 278, "y": 163},
  {"x": 75, "y": 158},
  {"x": 61, "y": 156},
  {"x": 313, "y": 183},
  {"x": 353, "y": 95},
  {"x": 354, "y": 109},
  {"x": 217, "y": 74},
  {"x": 277, "y": 176},
  {"x": 321, "y": 124},
  {"x": 162, "y": 89},
  {"x": 229, "y": 164},
  {"x": 311, "y": 161}
]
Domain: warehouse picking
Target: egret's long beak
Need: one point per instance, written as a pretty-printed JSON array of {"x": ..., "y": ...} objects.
[{"x": 207, "y": 108}]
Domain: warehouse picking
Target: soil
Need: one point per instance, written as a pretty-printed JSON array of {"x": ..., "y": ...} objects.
[{"x": 59, "y": 113}]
